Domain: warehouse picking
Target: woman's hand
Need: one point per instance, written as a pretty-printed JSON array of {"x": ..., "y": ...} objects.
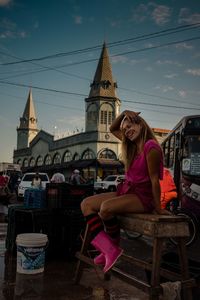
[{"x": 130, "y": 115}]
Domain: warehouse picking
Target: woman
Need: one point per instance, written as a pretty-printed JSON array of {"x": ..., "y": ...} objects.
[{"x": 140, "y": 193}]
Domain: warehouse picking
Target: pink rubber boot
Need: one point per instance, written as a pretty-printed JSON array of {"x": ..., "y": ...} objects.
[
  {"x": 104, "y": 244},
  {"x": 100, "y": 259}
]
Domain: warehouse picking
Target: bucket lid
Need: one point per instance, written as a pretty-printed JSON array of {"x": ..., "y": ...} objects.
[{"x": 32, "y": 238}]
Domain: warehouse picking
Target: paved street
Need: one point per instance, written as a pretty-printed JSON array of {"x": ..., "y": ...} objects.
[{"x": 57, "y": 280}]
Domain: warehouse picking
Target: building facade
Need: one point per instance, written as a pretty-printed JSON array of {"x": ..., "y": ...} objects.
[{"x": 95, "y": 151}]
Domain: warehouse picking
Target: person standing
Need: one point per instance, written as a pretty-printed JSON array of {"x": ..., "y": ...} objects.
[
  {"x": 76, "y": 178},
  {"x": 139, "y": 193},
  {"x": 58, "y": 178},
  {"x": 36, "y": 182}
]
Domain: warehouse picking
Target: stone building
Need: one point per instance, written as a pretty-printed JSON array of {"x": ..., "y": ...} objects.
[{"x": 95, "y": 152}]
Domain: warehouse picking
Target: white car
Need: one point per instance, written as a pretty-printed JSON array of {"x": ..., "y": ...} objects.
[
  {"x": 27, "y": 180},
  {"x": 109, "y": 184}
]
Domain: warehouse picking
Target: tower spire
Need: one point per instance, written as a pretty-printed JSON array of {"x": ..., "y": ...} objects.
[
  {"x": 27, "y": 129},
  {"x": 28, "y": 120},
  {"x": 103, "y": 84}
]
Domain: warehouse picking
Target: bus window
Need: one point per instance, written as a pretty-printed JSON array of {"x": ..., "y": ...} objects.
[
  {"x": 191, "y": 155},
  {"x": 171, "y": 151}
]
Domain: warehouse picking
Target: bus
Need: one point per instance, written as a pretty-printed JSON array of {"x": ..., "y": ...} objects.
[{"x": 181, "y": 149}]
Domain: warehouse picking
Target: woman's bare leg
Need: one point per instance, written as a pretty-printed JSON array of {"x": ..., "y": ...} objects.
[
  {"x": 127, "y": 203},
  {"x": 93, "y": 203}
]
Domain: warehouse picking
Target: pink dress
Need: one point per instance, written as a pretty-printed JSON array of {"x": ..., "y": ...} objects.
[{"x": 137, "y": 180}]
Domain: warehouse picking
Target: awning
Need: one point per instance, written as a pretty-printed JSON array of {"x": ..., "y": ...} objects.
[{"x": 106, "y": 163}]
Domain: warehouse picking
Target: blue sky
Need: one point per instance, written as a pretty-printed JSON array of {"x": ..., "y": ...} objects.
[{"x": 157, "y": 74}]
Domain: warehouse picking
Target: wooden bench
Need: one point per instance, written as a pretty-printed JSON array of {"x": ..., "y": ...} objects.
[{"x": 159, "y": 228}]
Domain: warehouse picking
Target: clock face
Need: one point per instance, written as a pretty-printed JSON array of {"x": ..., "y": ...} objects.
[{"x": 107, "y": 136}]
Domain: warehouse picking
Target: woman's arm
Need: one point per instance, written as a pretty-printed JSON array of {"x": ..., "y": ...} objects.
[{"x": 153, "y": 162}]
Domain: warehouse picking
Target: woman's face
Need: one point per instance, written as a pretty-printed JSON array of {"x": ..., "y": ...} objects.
[{"x": 131, "y": 130}]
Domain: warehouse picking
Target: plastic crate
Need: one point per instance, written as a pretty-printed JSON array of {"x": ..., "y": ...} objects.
[
  {"x": 35, "y": 198},
  {"x": 25, "y": 220},
  {"x": 68, "y": 225},
  {"x": 65, "y": 195}
]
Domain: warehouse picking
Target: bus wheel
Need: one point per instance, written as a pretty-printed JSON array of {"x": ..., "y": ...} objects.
[{"x": 193, "y": 225}]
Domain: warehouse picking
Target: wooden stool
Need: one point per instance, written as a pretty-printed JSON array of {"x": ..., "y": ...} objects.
[{"x": 159, "y": 228}]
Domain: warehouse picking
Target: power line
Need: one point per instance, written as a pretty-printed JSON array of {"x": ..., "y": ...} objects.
[
  {"x": 113, "y": 44},
  {"x": 78, "y": 94}
]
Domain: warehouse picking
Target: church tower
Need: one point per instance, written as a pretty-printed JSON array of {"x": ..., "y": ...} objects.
[
  {"x": 27, "y": 129},
  {"x": 102, "y": 105}
]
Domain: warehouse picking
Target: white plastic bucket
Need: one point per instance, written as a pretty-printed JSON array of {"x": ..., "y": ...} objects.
[{"x": 31, "y": 252}]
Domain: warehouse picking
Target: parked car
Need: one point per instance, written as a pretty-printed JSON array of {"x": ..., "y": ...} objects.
[
  {"x": 27, "y": 180},
  {"x": 109, "y": 184}
]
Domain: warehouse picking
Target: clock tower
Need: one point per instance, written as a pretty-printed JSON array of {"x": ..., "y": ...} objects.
[{"x": 27, "y": 129}]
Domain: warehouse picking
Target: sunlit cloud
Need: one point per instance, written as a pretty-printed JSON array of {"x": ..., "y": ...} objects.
[
  {"x": 119, "y": 59},
  {"x": 186, "y": 17},
  {"x": 8, "y": 29},
  {"x": 137, "y": 61},
  {"x": 182, "y": 93},
  {"x": 184, "y": 46},
  {"x": 164, "y": 88},
  {"x": 78, "y": 20},
  {"x": 170, "y": 76},
  {"x": 160, "y": 14},
  {"x": 5, "y": 2},
  {"x": 194, "y": 72},
  {"x": 168, "y": 62}
]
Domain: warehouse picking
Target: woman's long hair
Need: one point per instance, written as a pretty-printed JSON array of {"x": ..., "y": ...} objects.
[{"x": 129, "y": 148}]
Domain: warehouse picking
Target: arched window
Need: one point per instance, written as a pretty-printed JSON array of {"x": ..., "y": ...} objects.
[
  {"x": 88, "y": 154},
  {"x": 107, "y": 154},
  {"x": 39, "y": 161},
  {"x": 76, "y": 156},
  {"x": 57, "y": 159},
  {"x": 19, "y": 162},
  {"x": 25, "y": 163},
  {"x": 106, "y": 114},
  {"x": 48, "y": 160},
  {"x": 32, "y": 162},
  {"x": 67, "y": 156}
]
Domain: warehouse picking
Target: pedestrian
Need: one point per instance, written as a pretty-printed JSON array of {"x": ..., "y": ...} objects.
[
  {"x": 58, "y": 178},
  {"x": 36, "y": 182},
  {"x": 139, "y": 193},
  {"x": 76, "y": 178}
]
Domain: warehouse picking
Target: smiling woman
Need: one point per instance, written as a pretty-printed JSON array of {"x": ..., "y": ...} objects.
[{"x": 138, "y": 193}]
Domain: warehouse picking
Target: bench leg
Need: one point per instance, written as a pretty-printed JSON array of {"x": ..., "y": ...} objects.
[
  {"x": 187, "y": 291},
  {"x": 155, "y": 275},
  {"x": 84, "y": 248}
]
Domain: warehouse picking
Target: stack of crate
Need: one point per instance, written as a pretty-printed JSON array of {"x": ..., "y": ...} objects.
[{"x": 35, "y": 198}]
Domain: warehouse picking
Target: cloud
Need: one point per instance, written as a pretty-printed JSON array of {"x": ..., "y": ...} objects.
[
  {"x": 168, "y": 62},
  {"x": 119, "y": 59},
  {"x": 186, "y": 17},
  {"x": 182, "y": 93},
  {"x": 78, "y": 20},
  {"x": 5, "y": 2},
  {"x": 164, "y": 88},
  {"x": 171, "y": 76},
  {"x": 184, "y": 46},
  {"x": 194, "y": 72},
  {"x": 8, "y": 29},
  {"x": 160, "y": 14}
]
